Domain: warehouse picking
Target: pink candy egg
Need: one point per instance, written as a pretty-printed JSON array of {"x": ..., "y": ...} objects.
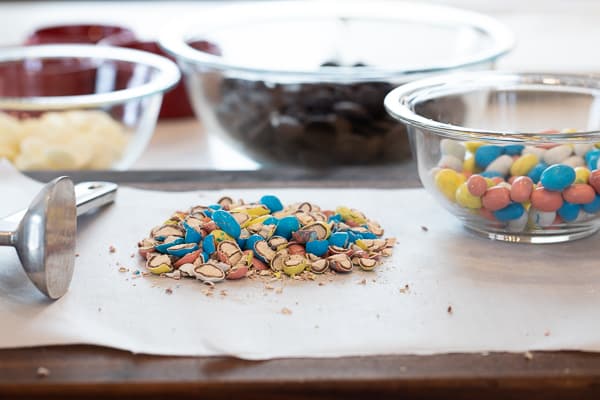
[
  {"x": 496, "y": 198},
  {"x": 579, "y": 193},
  {"x": 487, "y": 214},
  {"x": 521, "y": 189},
  {"x": 477, "y": 185},
  {"x": 545, "y": 200},
  {"x": 594, "y": 180}
]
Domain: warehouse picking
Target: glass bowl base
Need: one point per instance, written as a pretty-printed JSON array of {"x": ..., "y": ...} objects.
[{"x": 535, "y": 236}]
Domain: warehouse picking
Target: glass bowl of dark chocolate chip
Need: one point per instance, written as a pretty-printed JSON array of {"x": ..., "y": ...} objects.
[{"x": 303, "y": 83}]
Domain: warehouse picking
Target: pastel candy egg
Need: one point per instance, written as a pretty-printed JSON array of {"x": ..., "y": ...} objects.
[
  {"x": 541, "y": 218},
  {"x": 491, "y": 174},
  {"x": 521, "y": 189},
  {"x": 447, "y": 181},
  {"x": 518, "y": 224},
  {"x": 287, "y": 225},
  {"x": 510, "y": 212},
  {"x": 591, "y": 159},
  {"x": 339, "y": 239},
  {"x": 594, "y": 180},
  {"x": 546, "y": 200},
  {"x": 501, "y": 165},
  {"x": 465, "y": 198},
  {"x": 582, "y": 175},
  {"x": 227, "y": 223},
  {"x": 592, "y": 207},
  {"x": 191, "y": 234},
  {"x": 574, "y": 161},
  {"x": 536, "y": 172},
  {"x": 496, "y": 198},
  {"x": 538, "y": 151},
  {"x": 557, "y": 177},
  {"x": 477, "y": 185},
  {"x": 581, "y": 149},
  {"x": 579, "y": 193},
  {"x": 558, "y": 154},
  {"x": 271, "y": 202},
  {"x": 453, "y": 148},
  {"x": 208, "y": 244},
  {"x": 469, "y": 165},
  {"x": 317, "y": 247},
  {"x": 473, "y": 146},
  {"x": 568, "y": 211},
  {"x": 449, "y": 161},
  {"x": 162, "y": 248},
  {"x": 524, "y": 164},
  {"x": 513, "y": 149},
  {"x": 251, "y": 241},
  {"x": 486, "y": 154},
  {"x": 487, "y": 214}
]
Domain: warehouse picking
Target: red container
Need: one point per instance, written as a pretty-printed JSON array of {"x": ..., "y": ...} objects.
[
  {"x": 84, "y": 33},
  {"x": 176, "y": 102}
]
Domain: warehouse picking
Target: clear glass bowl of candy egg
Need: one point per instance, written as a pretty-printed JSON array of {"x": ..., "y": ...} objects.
[
  {"x": 303, "y": 83},
  {"x": 523, "y": 165},
  {"x": 72, "y": 107}
]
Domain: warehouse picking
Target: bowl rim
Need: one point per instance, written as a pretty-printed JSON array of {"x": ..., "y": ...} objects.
[
  {"x": 400, "y": 101},
  {"x": 173, "y": 39},
  {"x": 168, "y": 75}
]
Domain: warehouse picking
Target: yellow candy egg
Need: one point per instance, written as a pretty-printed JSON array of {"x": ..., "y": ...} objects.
[
  {"x": 221, "y": 236},
  {"x": 447, "y": 181},
  {"x": 582, "y": 175},
  {"x": 473, "y": 146},
  {"x": 469, "y": 165},
  {"x": 524, "y": 164},
  {"x": 465, "y": 198}
]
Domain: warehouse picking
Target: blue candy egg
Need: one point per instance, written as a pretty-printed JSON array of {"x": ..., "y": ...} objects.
[
  {"x": 352, "y": 237},
  {"x": 317, "y": 247},
  {"x": 183, "y": 251},
  {"x": 208, "y": 212},
  {"x": 286, "y": 226},
  {"x": 270, "y": 221},
  {"x": 485, "y": 154},
  {"x": 491, "y": 174},
  {"x": 368, "y": 235},
  {"x": 591, "y": 159},
  {"x": 339, "y": 239},
  {"x": 191, "y": 235},
  {"x": 557, "y": 177},
  {"x": 271, "y": 202},
  {"x": 215, "y": 207},
  {"x": 514, "y": 149},
  {"x": 536, "y": 172},
  {"x": 241, "y": 242},
  {"x": 162, "y": 248},
  {"x": 511, "y": 211},
  {"x": 208, "y": 244},
  {"x": 252, "y": 240},
  {"x": 334, "y": 218},
  {"x": 205, "y": 257},
  {"x": 227, "y": 223},
  {"x": 569, "y": 211},
  {"x": 593, "y": 207}
]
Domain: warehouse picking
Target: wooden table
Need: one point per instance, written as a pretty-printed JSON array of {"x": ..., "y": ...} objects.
[{"x": 95, "y": 372}]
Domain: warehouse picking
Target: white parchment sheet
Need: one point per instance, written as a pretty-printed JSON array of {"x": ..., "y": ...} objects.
[{"x": 504, "y": 297}]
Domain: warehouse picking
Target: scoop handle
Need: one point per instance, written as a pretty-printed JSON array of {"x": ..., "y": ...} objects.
[
  {"x": 91, "y": 195},
  {"x": 88, "y": 195}
]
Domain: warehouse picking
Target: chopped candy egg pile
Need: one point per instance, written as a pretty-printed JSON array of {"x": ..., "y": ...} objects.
[{"x": 234, "y": 239}]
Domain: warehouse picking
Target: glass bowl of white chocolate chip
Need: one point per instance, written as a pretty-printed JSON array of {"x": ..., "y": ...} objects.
[
  {"x": 73, "y": 107},
  {"x": 521, "y": 163}
]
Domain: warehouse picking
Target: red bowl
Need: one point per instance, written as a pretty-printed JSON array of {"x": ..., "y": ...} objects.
[
  {"x": 176, "y": 102},
  {"x": 84, "y": 33}
]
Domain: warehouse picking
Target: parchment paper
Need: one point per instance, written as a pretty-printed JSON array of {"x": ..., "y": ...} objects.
[{"x": 503, "y": 297}]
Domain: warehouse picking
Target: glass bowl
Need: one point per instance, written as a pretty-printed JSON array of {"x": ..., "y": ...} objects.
[
  {"x": 303, "y": 83},
  {"x": 73, "y": 107},
  {"x": 520, "y": 164}
]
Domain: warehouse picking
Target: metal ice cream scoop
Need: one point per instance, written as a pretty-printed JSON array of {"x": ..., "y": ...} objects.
[{"x": 44, "y": 234}]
